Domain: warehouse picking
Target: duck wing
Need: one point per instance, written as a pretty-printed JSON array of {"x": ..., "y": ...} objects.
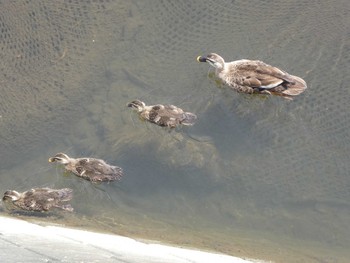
[
  {"x": 60, "y": 195},
  {"x": 39, "y": 199},
  {"x": 34, "y": 200},
  {"x": 170, "y": 116},
  {"x": 257, "y": 74},
  {"x": 185, "y": 118},
  {"x": 97, "y": 170},
  {"x": 30, "y": 201}
]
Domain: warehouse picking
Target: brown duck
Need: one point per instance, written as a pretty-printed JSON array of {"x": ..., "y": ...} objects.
[
  {"x": 40, "y": 199},
  {"x": 163, "y": 115},
  {"x": 254, "y": 76},
  {"x": 91, "y": 169}
]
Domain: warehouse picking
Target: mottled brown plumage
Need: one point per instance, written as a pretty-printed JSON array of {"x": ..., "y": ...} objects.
[
  {"x": 254, "y": 76},
  {"x": 91, "y": 169},
  {"x": 163, "y": 115},
  {"x": 40, "y": 199}
]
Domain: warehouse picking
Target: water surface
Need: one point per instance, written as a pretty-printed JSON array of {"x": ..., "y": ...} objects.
[{"x": 256, "y": 176}]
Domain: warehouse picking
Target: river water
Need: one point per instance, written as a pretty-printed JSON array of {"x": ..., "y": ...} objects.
[{"x": 256, "y": 176}]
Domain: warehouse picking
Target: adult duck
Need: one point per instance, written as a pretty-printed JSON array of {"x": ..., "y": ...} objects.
[{"x": 254, "y": 76}]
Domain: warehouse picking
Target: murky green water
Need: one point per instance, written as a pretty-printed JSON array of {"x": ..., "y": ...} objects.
[{"x": 255, "y": 176}]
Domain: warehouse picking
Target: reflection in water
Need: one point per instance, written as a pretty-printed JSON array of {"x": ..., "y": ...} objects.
[{"x": 255, "y": 175}]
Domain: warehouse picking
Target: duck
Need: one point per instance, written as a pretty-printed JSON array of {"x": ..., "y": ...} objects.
[
  {"x": 163, "y": 115},
  {"x": 91, "y": 169},
  {"x": 255, "y": 77},
  {"x": 40, "y": 199}
]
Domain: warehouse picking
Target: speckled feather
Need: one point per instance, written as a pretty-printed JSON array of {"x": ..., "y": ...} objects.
[
  {"x": 42, "y": 199},
  {"x": 164, "y": 115},
  {"x": 91, "y": 169},
  {"x": 96, "y": 170}
]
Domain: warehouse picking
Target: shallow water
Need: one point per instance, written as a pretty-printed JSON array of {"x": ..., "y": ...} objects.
[{"x": 255, "y": 176}]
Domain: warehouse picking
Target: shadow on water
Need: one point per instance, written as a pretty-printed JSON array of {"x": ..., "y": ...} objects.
[{"x": 255, "y": 176}]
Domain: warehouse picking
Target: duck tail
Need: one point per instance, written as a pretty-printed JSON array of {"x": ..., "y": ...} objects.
[
  {"x": 118, "y": 174},
  {"x": 188, "y": 118},
  {"x": 67, "y": 207},
  {"x": 65, "y": 194},
  {"x": 295, "y": 86}
]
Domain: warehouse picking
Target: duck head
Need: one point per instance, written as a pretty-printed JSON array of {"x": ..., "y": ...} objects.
[
  {"x": 60, "y": 158},
  {"x": 137, "y": 104},
  {"x": 213, "y": 59},
  {"x": 10, "y": 194}
]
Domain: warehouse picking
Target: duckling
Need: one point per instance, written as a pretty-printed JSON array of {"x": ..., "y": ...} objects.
[
  {"x": 91, "y": 169},
  {"x": 40, "y": 199},
  {"x": 163, "y": 115},
  {"x": 254, "y": 76}
]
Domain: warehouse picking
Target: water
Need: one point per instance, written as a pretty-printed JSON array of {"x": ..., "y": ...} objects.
[{"x": 256, "y": 176}]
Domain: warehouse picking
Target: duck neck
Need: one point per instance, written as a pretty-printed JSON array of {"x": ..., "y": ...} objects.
[
  {"x": 71, "y": 162},
  {"x": 221, "y": 70}
]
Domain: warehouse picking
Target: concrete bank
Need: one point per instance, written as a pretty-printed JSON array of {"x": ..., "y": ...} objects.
[{"x": 21, "y": 241}]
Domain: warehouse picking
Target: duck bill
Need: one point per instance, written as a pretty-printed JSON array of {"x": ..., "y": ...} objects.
[
  {"x": 201, "y": 59},
  {"x": 52, "y": 159}
]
